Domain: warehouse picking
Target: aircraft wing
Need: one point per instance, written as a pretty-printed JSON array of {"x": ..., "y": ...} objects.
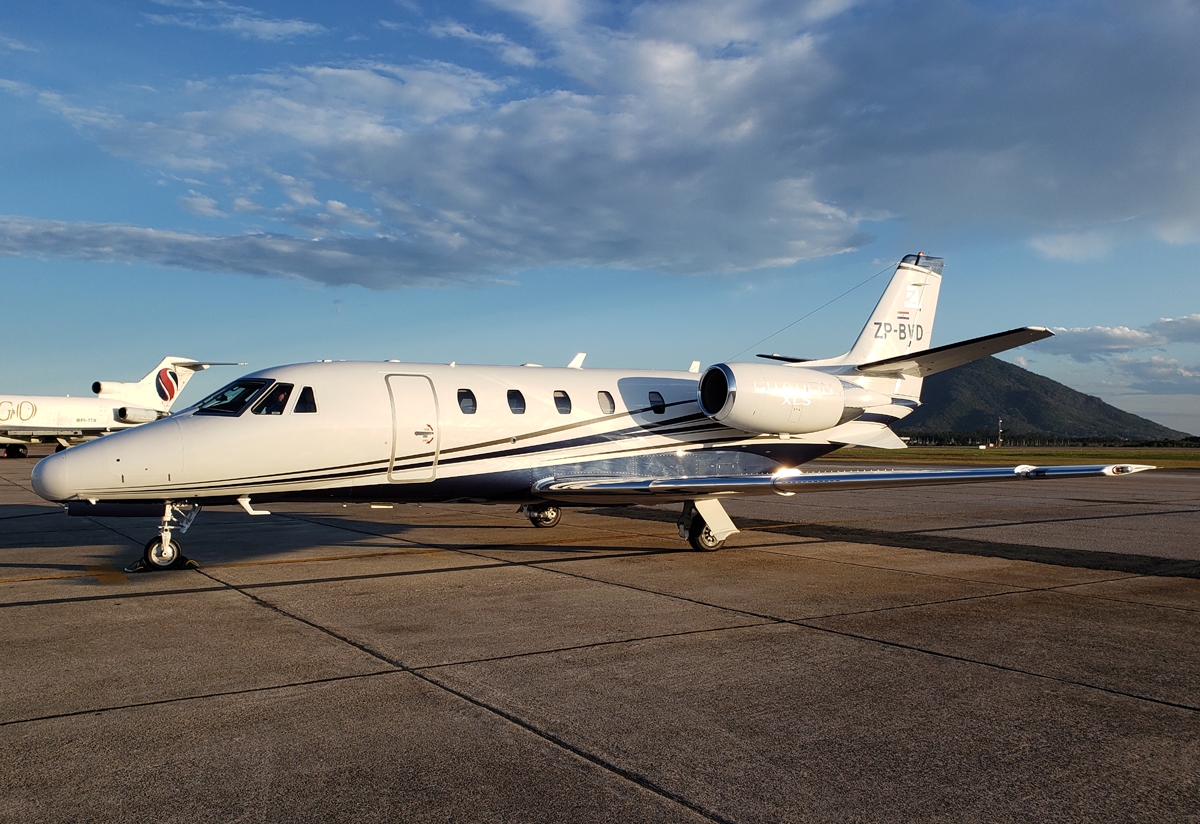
[
  {"x": 788, "y": 482},
  {"x": 941, "y": 358}
]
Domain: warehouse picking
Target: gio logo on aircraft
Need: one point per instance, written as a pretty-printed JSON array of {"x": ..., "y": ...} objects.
[
  {"x": 167, "y": 384},
  {"x": 23, "y": 411}
]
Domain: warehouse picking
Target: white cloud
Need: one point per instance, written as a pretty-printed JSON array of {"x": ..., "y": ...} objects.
[
  {"x": 1184, "y": 329},
  {"x": 1089, "y": 342},
  {"x": 1086, "y": 343},
  {"x": 247, "y": 23},
  {"x": 699, "y": 136},
  {"x": 1159, "y": 376},
  {"x": 12, "y": 44},
  {"x": 380, "y": 263},
  {"x": 507, "y": 50},
  {"x": 1076, "y": 247},
  {"x": 199, "y": 204}
]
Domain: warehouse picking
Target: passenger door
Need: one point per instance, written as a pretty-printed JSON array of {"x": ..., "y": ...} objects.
[{"x": 416, "y": 436}]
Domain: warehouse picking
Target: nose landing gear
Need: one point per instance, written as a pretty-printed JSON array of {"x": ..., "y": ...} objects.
[{"x": 162, "y": 552}]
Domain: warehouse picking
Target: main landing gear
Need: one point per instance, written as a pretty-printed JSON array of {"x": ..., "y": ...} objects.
[
  {"x": 705, "y": 525},
  {"x": 543, "y": 516},
  {"x": 163, "y": 552},
  {"x": 16, "y": 450}
]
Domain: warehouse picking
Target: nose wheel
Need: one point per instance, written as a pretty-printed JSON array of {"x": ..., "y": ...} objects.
[
  {"x": 163, "y": 552},
  {"x": 162, "y": 555}
]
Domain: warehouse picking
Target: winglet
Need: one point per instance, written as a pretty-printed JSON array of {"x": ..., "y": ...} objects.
[{"x": 577, "y": 361}]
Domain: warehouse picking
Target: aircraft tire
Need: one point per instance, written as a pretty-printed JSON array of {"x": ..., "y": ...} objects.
[
  {"x": 156, "y": 559},
  {"x": 701, "y": 537},
  {"x": 16, "y": 450},
  {"x": 545, "y": 517}
]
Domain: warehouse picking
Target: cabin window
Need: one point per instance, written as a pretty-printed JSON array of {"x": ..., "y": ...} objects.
[
  {"x": 307, "y": 402},
  {"x": 232, "y": 399},
  {"x": 466, "y": 401},
  {"x": 657, "y": 405},
  {"x": 274, "y": 401},
  {"x": 562, "y": 401},
  {"x": 606, "y": 402},
  {"x": 516, "y": 402}
]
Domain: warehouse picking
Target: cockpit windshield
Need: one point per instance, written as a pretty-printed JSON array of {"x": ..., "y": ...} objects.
[{"x": 232, "y": 399}]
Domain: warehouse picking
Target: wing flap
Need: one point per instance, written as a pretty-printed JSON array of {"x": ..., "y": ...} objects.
[
  {"x": 792, "y": 481},
  {"x": 941, "y": 358}
]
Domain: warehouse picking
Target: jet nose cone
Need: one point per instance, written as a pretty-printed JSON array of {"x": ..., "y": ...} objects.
[{"x": 51, "y": 479}]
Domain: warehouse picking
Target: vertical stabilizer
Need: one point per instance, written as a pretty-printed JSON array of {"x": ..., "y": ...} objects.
[
  {"x": 158, "y": 390},
  {"x": 902, "y": 323}
]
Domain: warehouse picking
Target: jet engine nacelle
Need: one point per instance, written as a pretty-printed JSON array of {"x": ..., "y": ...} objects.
[
  {"x": 789, "y": 400},
  {"x": 132, "y": 414},
  {"x": 111, "y": 389}
]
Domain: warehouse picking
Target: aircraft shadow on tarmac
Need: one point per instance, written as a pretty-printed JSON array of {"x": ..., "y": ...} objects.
[
  {"x": 31, "y": 537},
  {"x": 229, "y": 536},
  {"x": 1083, "y": 559}
]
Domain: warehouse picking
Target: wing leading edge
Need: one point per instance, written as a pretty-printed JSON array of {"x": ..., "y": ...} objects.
[{"x": 789, "y": 482}]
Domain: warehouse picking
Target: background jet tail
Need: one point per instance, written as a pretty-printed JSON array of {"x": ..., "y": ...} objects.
[{"x": 159, "y": 389}]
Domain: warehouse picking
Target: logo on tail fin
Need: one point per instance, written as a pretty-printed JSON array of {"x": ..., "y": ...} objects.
[{"x": 167, "y": 384}]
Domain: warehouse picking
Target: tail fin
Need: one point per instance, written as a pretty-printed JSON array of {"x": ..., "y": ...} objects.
[
  {"x": 901, "y": 324},
  {"x": 158, "y": 390}
]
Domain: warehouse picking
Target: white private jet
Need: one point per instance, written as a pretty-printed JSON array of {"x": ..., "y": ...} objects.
[
  {"x": 30, "y": 419},
  {"x": 542, "y": 438}
]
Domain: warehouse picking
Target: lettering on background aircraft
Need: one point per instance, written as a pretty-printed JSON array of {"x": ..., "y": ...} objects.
[
  {"x": 902, "y": 331},
  {"x": 21, "y": 411}
]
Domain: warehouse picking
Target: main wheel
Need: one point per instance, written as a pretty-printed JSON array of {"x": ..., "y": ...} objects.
[
  {"x": 16, "y": 450},
  {"x": 546, "y": 516},
  {"x": 701, "y": 537},
  {"x": 160, "y": 557}
]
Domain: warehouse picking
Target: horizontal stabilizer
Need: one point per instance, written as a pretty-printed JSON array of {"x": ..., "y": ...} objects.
[
  {"x": 792, "y": 481},
  {"x": 921, "y": 364},
  {"x": 784, "y": 358}
]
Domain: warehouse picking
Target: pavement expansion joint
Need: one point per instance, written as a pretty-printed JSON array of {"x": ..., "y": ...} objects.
[
  {"x": 31, "y": 515},
  {"x": 1003, "y": 667},
  {"x": 1065, "y": 589},
  {"x": 201, "y": 697},
  {"x": 895, "y": 644},
  {"x": 592, "y": 645},
  {"x": 629, "y": 775},
  {"x": 901, "y": 607}
]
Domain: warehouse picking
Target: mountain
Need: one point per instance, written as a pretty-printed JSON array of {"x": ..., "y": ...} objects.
[{"x": 974, "y": 396}]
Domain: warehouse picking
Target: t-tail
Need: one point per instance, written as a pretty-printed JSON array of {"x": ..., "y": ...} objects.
[
  {"x": 892, "y": 355},
  {"x": 159, "y": 389},
  {"x": 902, "y": 324}
]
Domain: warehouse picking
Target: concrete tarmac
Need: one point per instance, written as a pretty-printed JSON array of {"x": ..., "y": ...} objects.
[{"x": 1009, "y": 652}]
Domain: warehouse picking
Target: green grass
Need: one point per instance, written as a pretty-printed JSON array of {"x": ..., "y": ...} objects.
[{"x": 1165, "y": 457}]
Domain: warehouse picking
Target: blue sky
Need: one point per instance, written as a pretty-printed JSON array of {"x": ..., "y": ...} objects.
[{"x": 652, "y": 183}]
